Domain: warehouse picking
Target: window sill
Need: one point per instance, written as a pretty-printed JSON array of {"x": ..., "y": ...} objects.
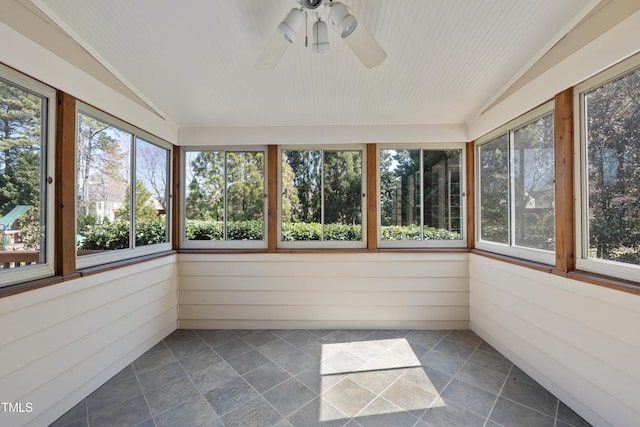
[
  {"x": 19, "y": 288},
  {"x": 579, "y": 275}
]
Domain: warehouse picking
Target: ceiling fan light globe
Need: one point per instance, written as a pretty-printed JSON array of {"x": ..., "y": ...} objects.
[
  {"x": 291, "y": 24},
  {"x": 344, "y": 22},
  {"x": 321, "y": 37}
]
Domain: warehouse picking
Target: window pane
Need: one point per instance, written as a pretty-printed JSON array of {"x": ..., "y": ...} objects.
[
  {"x": 301, "y": 195},
  {"x": 22, "y": 172},
  {"x": 342, "y": 195},
  {"x": 400, "y": 194},
  {"x": 204, "y": 200},
  {"x": 245, "y": 195},
  {"x": 224, "y": 195},
  {"x": 613, "y": 165},
  {"x": 494, "y": 190},
  {"x": 442, "y": 194},
  {"x": 151, "y": 193},
  {"x": 533, "y": 185},
  {"x": 103, "y": 200}
]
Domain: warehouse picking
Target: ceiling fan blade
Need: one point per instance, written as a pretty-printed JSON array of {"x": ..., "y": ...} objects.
[
  {"x": 272, "y": 53},
  {"x": 365, "y": 47}
]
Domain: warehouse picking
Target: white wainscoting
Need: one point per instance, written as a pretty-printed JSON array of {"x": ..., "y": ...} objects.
[
  {"x": 580, "y": 341},
  {"x": 315, "y": 290},
  {"x": 61, "y": 342}
]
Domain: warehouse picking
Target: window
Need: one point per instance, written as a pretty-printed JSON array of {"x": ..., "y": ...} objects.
[
  {"x": 421, "y": 197},
  {"x": 122, "y": 188},
  {"x": 322, "y": 199},
  {"x": 224, "y": 198},
  {"x": 516, "y": 188},
  {"x": 26, "y": 197},
  {"x": 609, "y": 206}
]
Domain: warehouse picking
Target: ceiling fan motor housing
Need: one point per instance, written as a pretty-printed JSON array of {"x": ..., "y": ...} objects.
[{"x": 311, "y": 4}]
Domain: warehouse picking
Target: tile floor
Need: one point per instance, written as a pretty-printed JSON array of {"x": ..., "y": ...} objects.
[{"x": 390, "y": 378}]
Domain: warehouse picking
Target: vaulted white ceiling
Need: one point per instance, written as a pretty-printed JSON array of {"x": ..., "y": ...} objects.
[{"x": 193, "y": 61}]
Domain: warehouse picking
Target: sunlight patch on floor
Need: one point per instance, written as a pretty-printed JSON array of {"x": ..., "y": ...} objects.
[{"x": 373, "y": 378}]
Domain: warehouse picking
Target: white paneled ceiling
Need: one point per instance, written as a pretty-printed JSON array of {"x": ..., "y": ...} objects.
[{"x": 194, "y": 60}]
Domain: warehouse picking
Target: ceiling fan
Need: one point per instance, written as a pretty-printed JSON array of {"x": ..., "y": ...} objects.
[{"x": 352, "y": 31}]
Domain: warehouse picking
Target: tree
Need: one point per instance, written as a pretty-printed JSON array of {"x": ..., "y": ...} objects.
[
  {"x": 289, "y": 191},
  {"x": 102, "y": 174},
  {"x": 613, "y": 150},
  {"x": 306, "y": 167},
  {"x": 342, "y": 187},
  {"x": 205, "y": 185},
  {"x": 151, "y": 168},
  {"x": 145, "y": 208},
  {"x": 20, "y": 150}
]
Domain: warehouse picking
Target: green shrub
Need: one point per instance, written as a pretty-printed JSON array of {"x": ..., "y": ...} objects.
[
  {"x": 115, "y": 235},
  {"x": 214, "y": 230}
]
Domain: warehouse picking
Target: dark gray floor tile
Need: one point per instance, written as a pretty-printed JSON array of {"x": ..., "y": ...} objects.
[
  {"x": 318, "y": 413},
  {"x": 247, "y": 361},
  {"x": 256, "y": 412},
  {"x": 180, "y": 336},
  {"x": 318, "y": 383},
  {"x": 186, "y": 349},
  {"x": 244, "y": 332},
  {"x": 567, "y": 415},
  {"x": 562, "y": 424},
  {"x": 300, "y": 338},
  {"x": 146, "y": 423},
  {"x": 276, "y": 349},
  {"x": 454, "y": 349},
  {"x": 511, "y": 414},
  {"x": 213, "y": 376},
  {"x": 161, "y": 345},
  {"x": 260, "y": 338},
  {"x": 529, "y": 395},
  {"x": 399, "y": 333},
  {"x": 485, "y": 346},
  {"x": 446, "y": 413},
  {"x": 194, "y": 412},
  {"x": 171, "y": 394},
  {"x": 152, "y": 360},
  {"x": 491, "y": 361},
  {"x": 132, "y": 411},
  {"x": 266, "y": 377},
  {"x": 158, "y": 377},
  {"x": 282, "y": 332},
  {"x": 427, "y": 338},
  {"x": 465, "y": 337},
  {"x": 220, "y": 338},
  {"x": 289, "y": 396},
  {"x": 480, "y": 377},
  {"x": 200, "y": 360},
  {"x": 233, "y": 348},
  {"x": 296, "y": 362},
  {"x": 382, "y": 413},
  {"x": 469, "y": 397},
  {"x": 112, "y": 393},
  {"x": 229, "y": 396},
  {"x": 437, "y": 378},
  {"x": 321, "y": 332},
  {"x": 126, "y": 372},
  {"x": 77, "y": 416},
  {"x": 520, "y": 375},
  {"x": 442, "y": 362}
]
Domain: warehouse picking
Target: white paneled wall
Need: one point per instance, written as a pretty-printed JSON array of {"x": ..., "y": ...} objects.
[
  {"x": 316, "y": 290},
  {"x": 580, "y": 341},
  {"x": 61, "y": 342}
]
